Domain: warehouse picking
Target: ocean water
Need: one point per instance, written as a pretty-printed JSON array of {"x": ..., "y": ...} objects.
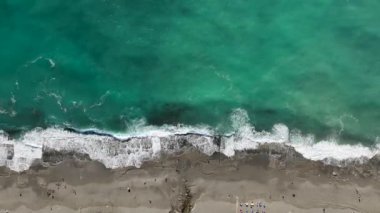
[{"x": 122, "y": 66}]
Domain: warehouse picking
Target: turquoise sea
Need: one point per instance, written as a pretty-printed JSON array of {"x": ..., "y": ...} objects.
[{"x": 107, "y": 64}]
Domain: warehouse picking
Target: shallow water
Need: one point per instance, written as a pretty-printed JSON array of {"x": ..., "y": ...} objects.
[{"x": 111, "y": 65}]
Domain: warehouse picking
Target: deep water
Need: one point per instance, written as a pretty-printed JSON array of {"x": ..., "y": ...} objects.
[{"x": 106, "y": 64}]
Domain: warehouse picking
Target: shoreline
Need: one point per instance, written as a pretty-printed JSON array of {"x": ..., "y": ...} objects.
[
  {"x": 118, "y": 152},
  {"x": 191, "y": 181}
]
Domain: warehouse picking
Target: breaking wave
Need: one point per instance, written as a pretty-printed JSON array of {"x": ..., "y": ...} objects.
[{"x": 143, "y": 143}]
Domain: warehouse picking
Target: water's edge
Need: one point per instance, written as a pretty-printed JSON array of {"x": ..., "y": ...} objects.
[{"x": 118, "y": 151}]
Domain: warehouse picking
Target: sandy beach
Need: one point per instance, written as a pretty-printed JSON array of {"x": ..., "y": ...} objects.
[{"x": 192, "y": 182}]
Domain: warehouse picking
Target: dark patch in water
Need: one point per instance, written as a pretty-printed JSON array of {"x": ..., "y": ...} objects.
[
  {"x": 169, "y": 113},
  {"x": 89, "y": 132}
]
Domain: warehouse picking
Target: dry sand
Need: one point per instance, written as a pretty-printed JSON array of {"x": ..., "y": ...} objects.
[{"x": 189, "y": 182}]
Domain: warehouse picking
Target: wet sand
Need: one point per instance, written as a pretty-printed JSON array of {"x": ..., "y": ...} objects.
[{"x": 190, "y": 181}]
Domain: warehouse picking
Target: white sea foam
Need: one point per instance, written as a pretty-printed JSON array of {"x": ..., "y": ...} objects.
[
  {"x": 3, "y": 111},
  {"x": 24, "y": 152},
  {"x": 245, "y": 136},
  {"x": 101, "y": 100},
  {"x": 144, "y": 143},
  {"x": 49, "y": 60},
  {"x": 13, "y": 98},
  {"x": 330, "y": 150},
  {"x": 113, "y": 153}
]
